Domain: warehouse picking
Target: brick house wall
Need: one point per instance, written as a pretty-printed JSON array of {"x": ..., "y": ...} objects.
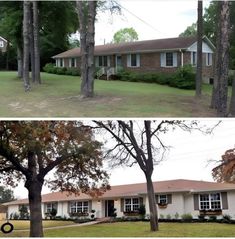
[{"x": 151, "y": 62}]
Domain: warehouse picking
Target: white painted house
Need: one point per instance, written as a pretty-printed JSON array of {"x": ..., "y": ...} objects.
[{"x": 173, "y": 196}]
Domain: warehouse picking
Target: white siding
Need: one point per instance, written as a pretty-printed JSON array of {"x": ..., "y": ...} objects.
[
  {"x": 177, "y": 206},
  {"x": 205, "y": 48},
  {"x": 231, "y": 205},
  {"x": 13, "y": 209}
]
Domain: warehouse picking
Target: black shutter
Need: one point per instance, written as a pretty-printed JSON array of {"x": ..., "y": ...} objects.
[
  {"x": 196, "y": 201},
  {"x": 169, "y": 198},
  {"x": 224, "y": 200},
  {"x": 89, "y": 206},
  {"x": 156, "y": 198},
  {"x": 141, "y": 200}
]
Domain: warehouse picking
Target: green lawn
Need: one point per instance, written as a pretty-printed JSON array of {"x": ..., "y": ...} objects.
[
  {"x": 58, "y": 96},
  {"x": 140, "y": 229}
]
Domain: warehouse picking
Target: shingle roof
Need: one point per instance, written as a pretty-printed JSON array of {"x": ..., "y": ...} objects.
[
  {"x": 170, "y": 186},
  {"x": 138, "y": 46}
]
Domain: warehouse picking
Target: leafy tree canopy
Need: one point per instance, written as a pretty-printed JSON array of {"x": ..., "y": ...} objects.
[
  {"x": 125, "y": 35},
  {"x": 6, "y": 195},
  {"x": 31, "y": 149},
  {"x": 225, "y": 171}
]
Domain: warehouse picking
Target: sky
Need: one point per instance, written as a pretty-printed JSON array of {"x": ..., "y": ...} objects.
[
  {"x": 191, "y": 156},
  {"x": 159, "y": 19}
]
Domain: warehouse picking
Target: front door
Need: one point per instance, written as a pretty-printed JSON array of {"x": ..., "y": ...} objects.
[
  {"x": 118, "y": 62},
  {"x": 109, "y": 206}
]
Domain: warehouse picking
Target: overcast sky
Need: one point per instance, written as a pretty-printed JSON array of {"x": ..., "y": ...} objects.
[
  {"x": 190, "y": 157},
  {"x": 159, "y": 18}
]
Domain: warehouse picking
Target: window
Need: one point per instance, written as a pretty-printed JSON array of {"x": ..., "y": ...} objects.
[
  {"x": 210, "y": 201},
  {"x": 79, "y": 207},
  {"x": 208, "y": 59},
  {"x": 61, "y": 62},
  {"x": 50, "y": 206},
  {"x": 133, "y": 60},
  {"x": 169, "y": 59},
  {"x": 194, "y": 58},
  {"x": 72, "y": 62},
  {"x": 162, "y": 199},
  {"x": 103, "y": 61},
  {"x": 1, "y": 44},
  {"x": 131, "y": 204}
]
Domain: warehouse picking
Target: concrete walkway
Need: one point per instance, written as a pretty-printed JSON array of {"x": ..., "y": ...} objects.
[{"x": 65, "y": 226}]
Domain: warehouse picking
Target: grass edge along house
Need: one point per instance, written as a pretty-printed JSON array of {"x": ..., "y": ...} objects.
[
  {"x": 172, "y": 197},
  {"x": 149, "y": 56}
]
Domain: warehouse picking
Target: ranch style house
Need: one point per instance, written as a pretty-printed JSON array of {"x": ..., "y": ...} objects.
[
  {"x": 172, "y": 197},
  {"x": 151, "y": 56}
]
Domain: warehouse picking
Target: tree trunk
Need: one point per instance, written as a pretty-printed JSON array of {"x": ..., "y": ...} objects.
[
  {"x": 19, "y": 62},
  {"x": 7, "y": 55},
  {"x": 26, "y": 45},
  {"x": 152, "y": 204},
  {"x": 36, "y": 42},
  {"x": 87, "y": 33},
  {"x": 223, "y": 59},
  {"x": 31, "y": 43},
  {"x": 232, "y": 101},
  {"x": 214, "y": 97},
  {"x": 199, "y": 50},
  {"x": 34, "y": 187}
]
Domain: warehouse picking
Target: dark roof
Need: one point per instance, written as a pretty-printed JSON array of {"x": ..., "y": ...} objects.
[
  {"x": 170, "y": 186},
  {"x": 138, "y": 46}
]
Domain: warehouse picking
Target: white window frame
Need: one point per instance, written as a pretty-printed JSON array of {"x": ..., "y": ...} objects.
[
  {"x": 70, "y": 62},
  {"x": 208, "y": 59},
  {"x": 129, "y": 60},
  {"x": 131, "y": 204},
  {"x": 210, "y": 200},
  {"x": 102, "y": 61},
  {"x": 163, "y": 59},
  {"x": 1, "y": 44},
  {"x": 79, "y": 207},
  {"x": 61, "y": 60},
  {"x": 50, "y": 206},
  {"x": 162, "y": 199}
]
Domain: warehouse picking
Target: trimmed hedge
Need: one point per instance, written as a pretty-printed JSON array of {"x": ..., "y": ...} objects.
[
  {"x": 184, "y": 78},
  {"x": 50, "y": 68}
]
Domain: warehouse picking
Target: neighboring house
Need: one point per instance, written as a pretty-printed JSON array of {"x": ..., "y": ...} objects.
[
  {"x": 172, "y": 197},
  {"x": 3, "y": 211},
  {"x": 161, "y": 55},
  {"x": 3, "y": 44}
]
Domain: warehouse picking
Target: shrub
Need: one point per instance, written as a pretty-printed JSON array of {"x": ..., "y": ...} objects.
[
  {"x": 184, "y": 78},
  {"x": 73, "y": 72},
  {"x": 212, "y": 218},
  {"x": 48, "y": 67},
  {"x": 177, "y": 215},
  {"x": 168, "y": 216},
  {"x": 226, "y": 218},
  {"x": 201, "y": 217},
  {"x": 161, "y": 216},
  {"x": 187, "y": 217},
  {"x": 142, "y": 211}
]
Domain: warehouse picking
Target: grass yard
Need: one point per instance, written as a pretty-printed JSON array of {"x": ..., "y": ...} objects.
[
  {"x": 140, "y": 229},
  {"x": 58, "y": 96}
]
